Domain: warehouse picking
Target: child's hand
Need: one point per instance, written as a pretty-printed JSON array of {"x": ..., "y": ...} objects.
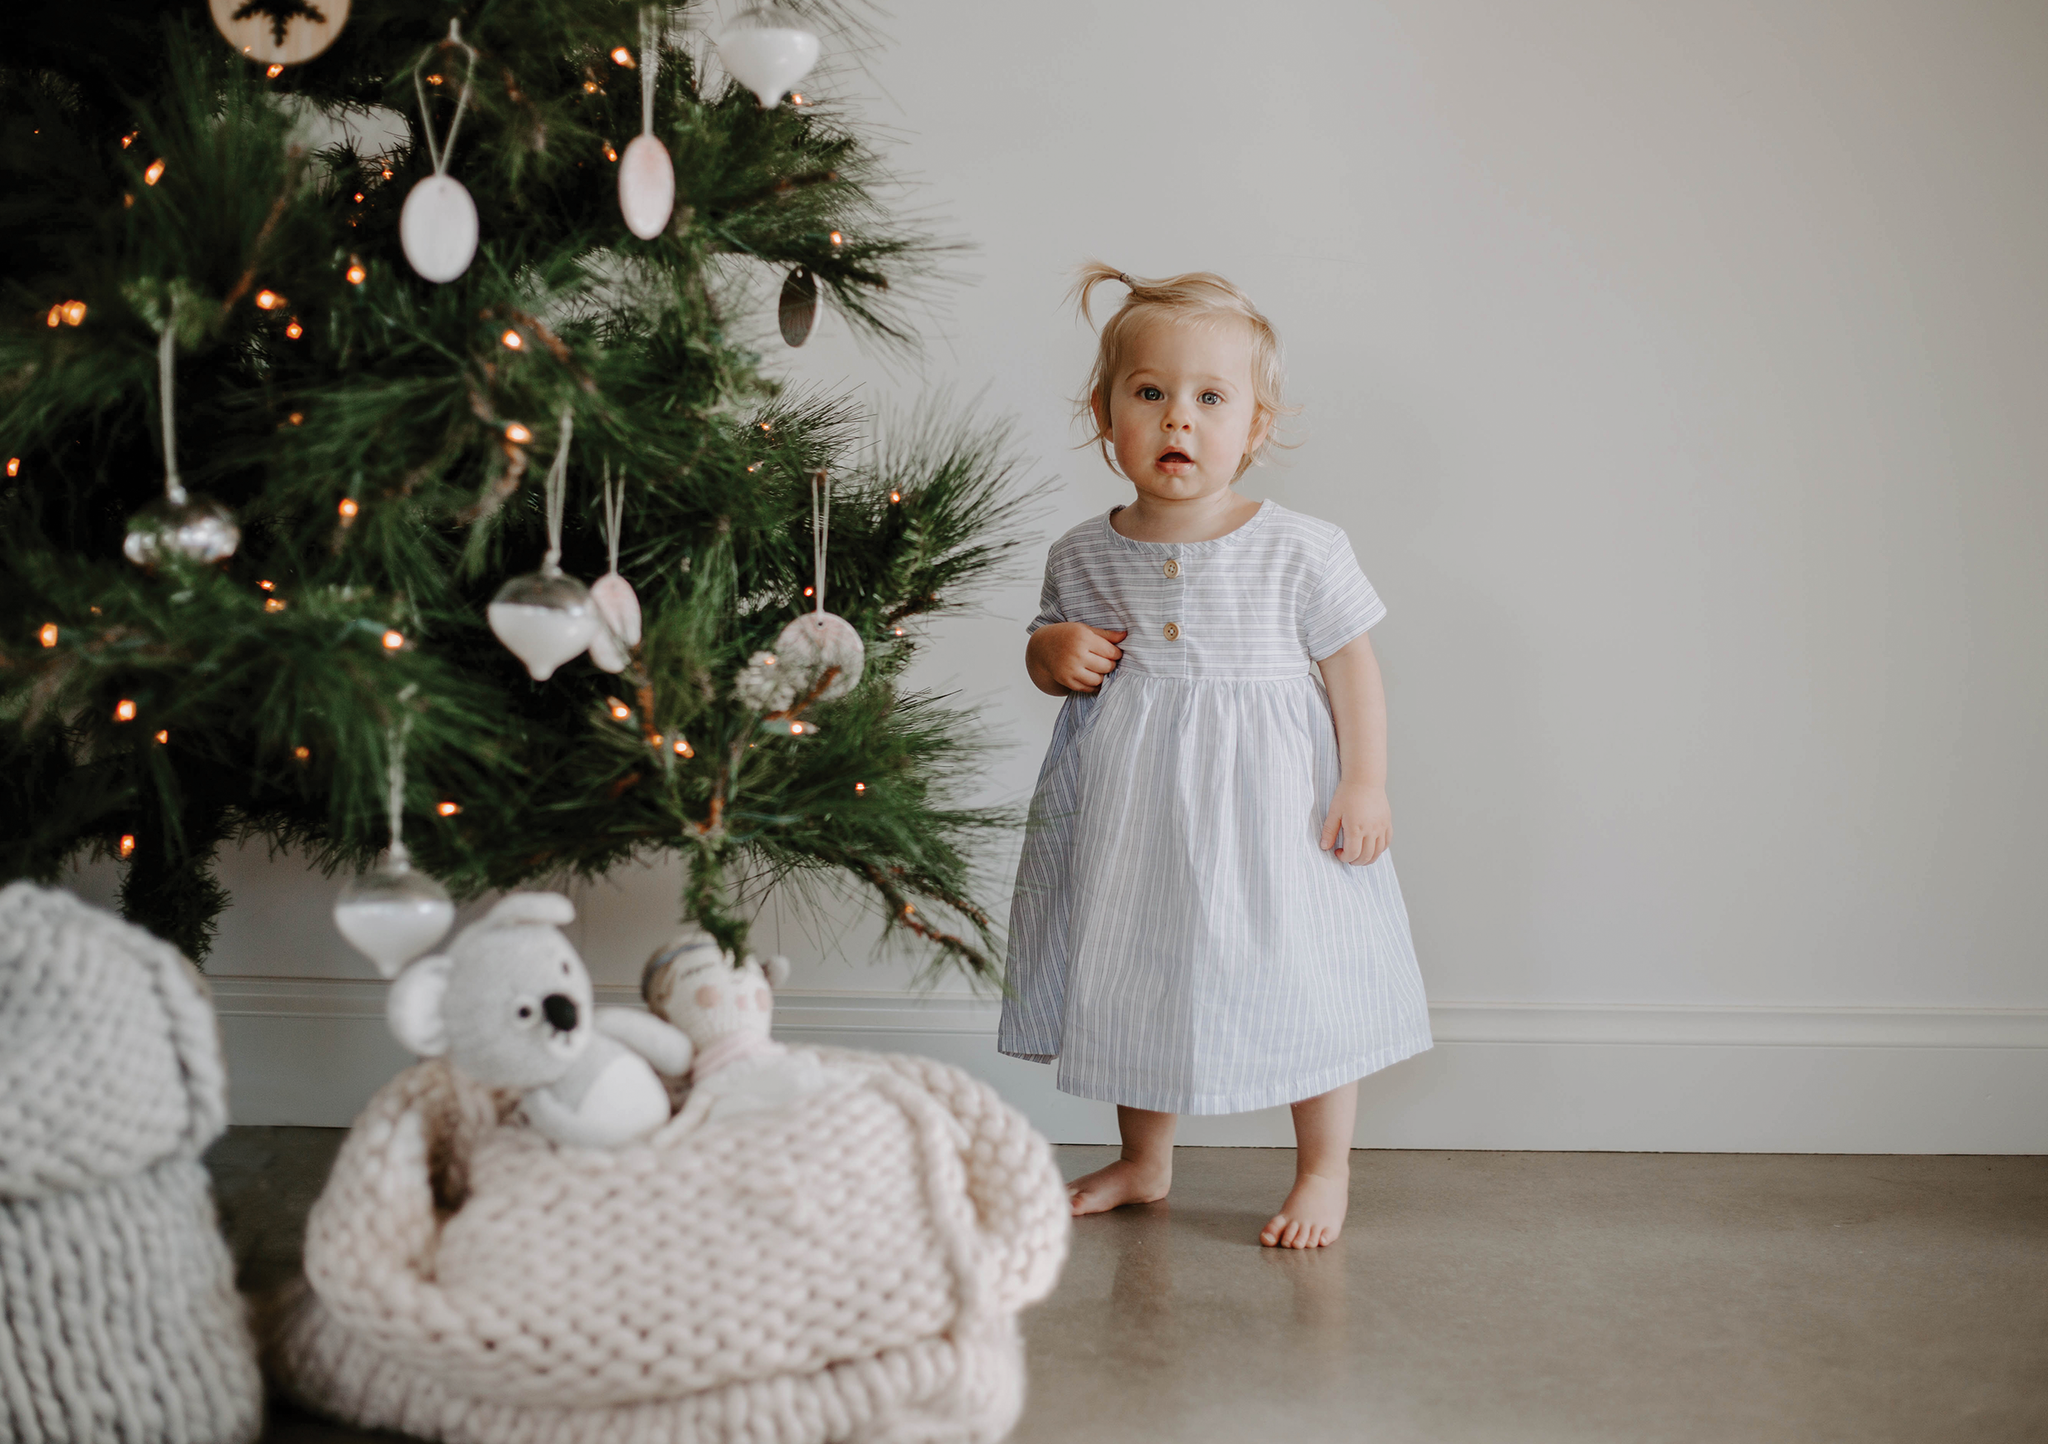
[
  {"x": 1068, "y": 657},
  {"x": 1359, "y": 810}
]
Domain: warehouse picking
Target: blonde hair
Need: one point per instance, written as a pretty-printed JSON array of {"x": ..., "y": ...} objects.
[{"x": 1193, "y": 297}]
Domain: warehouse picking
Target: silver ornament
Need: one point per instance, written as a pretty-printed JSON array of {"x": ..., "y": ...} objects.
[
  {"x": 195, "y": 527},
  {"x": 393, "y": 913},
  {"x": 545, "y": 618}
]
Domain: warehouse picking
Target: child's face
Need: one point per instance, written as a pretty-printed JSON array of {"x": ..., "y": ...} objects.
[{"x": 1181, "y": 415}]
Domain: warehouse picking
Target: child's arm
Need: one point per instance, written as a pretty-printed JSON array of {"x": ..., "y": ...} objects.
[
  {"x": 1358, "y": 701},
  {"x": 1068, "y": 657}
]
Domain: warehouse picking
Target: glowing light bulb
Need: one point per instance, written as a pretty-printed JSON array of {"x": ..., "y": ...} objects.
[
  {"x": 796, "y": 729},
  {"x": 294, "y": 330},
  {"x": 433, "y": 80},
  {"x": 899, "y": 631},
  {"x": 127, "y": 847},
  {"x": 517, "y": 434},
  {"x": 273, "y": 604},
  {"x": 48, "y": 635},
  {"x": 753, "y": 466},
  {"x": 124, "y": 710},
  {"x": 55, "y": 316},
  {"x": 609, "y": 153},
  {"x": 74, "y": 313},
  {"x": 393, "y": 640},
  {"x": 359, "y": 197},
  {"x": 860, "y": 787},
  {"x": 274, "y": 71},
  {"x": 623, "y": 56},
  {"x": 837, "y": 239},
  {"x": 590, "y": 87},
  {"x": 766, "y": 427},
  {"x": 655, "y": 739},
  {"x": 807, "y": 591},
  {"x": 302, "y": 752},
  {"x": 14, "y": 466},
  {"x": 267, "y": 300},
  {"x": 683, "y": 748},
  {"x": 296, "y": 418},
  {"x": 355, "y": 273},
  {"x": 513, "y": 340},
  {"x": 129, "y": 139},
  {"x": 154, "y": 174},
  {"x": 266, "y": 585},
  {"x": 619, "y": 710},
  {"x": 387, "y": 172},
  {"x": 163, "y": 735},
  {"x": 796, "y": 98},
  {"x": 447, "y": 809}
]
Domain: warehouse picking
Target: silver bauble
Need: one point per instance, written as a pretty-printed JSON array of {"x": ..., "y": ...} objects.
[
  {"x": 545, "y": 618},
  {"x": 195, "y": 527},
  {"x": 393, "y": 913}
]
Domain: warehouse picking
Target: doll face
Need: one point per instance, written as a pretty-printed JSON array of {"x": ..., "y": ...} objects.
[{"x": 711, "y": 1002}]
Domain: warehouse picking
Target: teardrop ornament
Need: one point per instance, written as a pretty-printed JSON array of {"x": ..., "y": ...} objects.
[
  {"x": 799, "y": 309},
  {"x": 647, "y": 187},
  {"x": 618, "y": 632}
]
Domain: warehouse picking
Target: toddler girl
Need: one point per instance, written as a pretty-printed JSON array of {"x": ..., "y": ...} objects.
[{"x": 1206, "y": 917}]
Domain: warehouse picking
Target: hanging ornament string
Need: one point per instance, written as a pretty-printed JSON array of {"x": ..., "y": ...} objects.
[
  {"x": 166, "y": 348},
  {"x": 614, "y": 514},
  {"x": 650, "y": 61},
  {"x": 821, "y": 526},
  {"x": 556, "y": 490},
  {"x": 394, "y": 781},
  {"x": 442, "y": 151}
]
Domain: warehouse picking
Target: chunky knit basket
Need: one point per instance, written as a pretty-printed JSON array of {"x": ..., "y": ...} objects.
[
  {"x": 119, "y": 1319},
  {"x": 849, "y": 1268}
]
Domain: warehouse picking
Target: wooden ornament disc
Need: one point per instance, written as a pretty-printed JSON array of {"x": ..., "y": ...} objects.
[
  {"x": 279, "y": 32},
  {"x": 437, "y": 227},
  {"x": 799, "y": 311}
]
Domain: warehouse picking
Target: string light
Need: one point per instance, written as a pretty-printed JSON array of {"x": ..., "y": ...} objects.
[
  {"x": 266, "y": 585},
  {"x": 393, "y": 640},
  {"x": 623, "y": 56},
  {"x": 274, "y": 71},
  {"x": 355, "y": 273},
  {"x": 860, "y": 787},
  {"x": 154, "y": 174},
  {"x": 387, "y": 172},
  {"x": 48, "y": 635},
  {"x": 753, "y": 466},
  {"x": 268, "y": 300},
  {"x": 766, "y": 427},
  {"x": 899, "y": 631},
  {"x": 797, "y": 99},
  {"x": 296, "y": 418},
  {"x": 807, "y": 591},
  {"x": 590, "y": 87},
  {"x": 609, "y": 153},
  {"x": 513, "y": 340},
  {"x": 293, "y": 330},
  {"x": 447, "y": 809},
  {"x": 66, "y": 313},
  {"x": 619, "y": 710},
  {"x": 655, "y": 739},
  {"x": 163, "y": 736},
  {"x": 837, "y": 239},
  {"x": 273, "y": 604},
  {"x": 359, "y": 197},
  {"x": 302, "y": 752},
  {"x": 124, "y": 710},
  {"x": 127, "y": 846},
  {"x": 894, "y": 497},
  {"x": 433, "y": 80},
  {"x": 908, "y": 910},
  {"x": 14, "y": 466},
  {"x": 683, "y": 748},
  {"x": 129, "y": 139},
  {"x": 517, "y": 434}
]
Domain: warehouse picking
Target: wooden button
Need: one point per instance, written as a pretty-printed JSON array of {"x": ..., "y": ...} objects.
[
  {"x": 1173, "y": 631},
  {"x": 1172, "y": 569}
]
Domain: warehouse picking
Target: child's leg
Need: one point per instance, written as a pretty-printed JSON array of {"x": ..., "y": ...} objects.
[
  {"x": 1314, "y": 1212},
  {"x": 1141, "y": 1175}
]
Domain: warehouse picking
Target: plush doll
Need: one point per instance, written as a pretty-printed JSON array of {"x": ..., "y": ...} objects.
[
  {"x": 726, "y": 1011},
  {"x": 509, "y": 1004}
]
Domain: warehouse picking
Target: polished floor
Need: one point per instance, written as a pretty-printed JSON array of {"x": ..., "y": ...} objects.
[{"x": 1480, "y": 1297}]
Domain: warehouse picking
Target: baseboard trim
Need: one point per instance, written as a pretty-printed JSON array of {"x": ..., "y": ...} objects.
[{"x": 1504, "y": 1074}]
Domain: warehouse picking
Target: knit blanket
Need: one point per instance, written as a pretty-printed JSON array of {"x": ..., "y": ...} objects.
[{"x": 848, "y": 1268}]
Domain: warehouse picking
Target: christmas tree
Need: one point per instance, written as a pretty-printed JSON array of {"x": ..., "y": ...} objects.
[{"x": 210, "y": 308}]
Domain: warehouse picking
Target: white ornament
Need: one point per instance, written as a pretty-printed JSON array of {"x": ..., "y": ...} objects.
[
  {"x": 647, "y": 177},
  {"x": 768, "y": 50},
  {"x": 280, "y": 33},
  {"x": 763, "y": 684},
  {"x": 197, "y": 528},
  {"x": 618, "y": 605},
  {"x": 437, "y": 227},
  {"x": 545, "y": 618},
  {"x": 393, "y": 914},
  {"x": 814, "y": 643}
]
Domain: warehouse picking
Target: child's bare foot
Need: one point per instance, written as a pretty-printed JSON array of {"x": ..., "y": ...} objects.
[
  {"x": 1124, "y": 1181},
  {"x": 1313, "y": 1214}
]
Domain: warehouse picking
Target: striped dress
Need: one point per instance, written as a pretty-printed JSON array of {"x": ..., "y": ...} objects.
[{"x": 1178, "y": 941}]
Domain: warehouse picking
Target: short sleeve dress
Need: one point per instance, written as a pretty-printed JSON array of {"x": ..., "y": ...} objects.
[{"x": 1178, "y": 941}]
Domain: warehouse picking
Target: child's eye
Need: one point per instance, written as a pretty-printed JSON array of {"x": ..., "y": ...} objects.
[
  {"x": 1151, "y": 393},
  {"x": 1213, "y": 398}
]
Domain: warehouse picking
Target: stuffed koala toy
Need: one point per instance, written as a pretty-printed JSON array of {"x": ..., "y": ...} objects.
[
  {"x": 509, "y": 1004},
  {"x": 726, "y": 1010}
]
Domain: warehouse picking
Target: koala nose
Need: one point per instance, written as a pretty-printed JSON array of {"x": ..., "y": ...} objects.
[{"x": 560, "y": 1010}]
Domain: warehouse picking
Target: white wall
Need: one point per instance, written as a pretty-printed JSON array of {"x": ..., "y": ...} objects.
[{"x": 1678, "y": 372}]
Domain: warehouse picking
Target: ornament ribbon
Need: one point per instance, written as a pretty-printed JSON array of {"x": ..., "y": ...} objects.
[
  {"x": 555, "y": 491},
  {"x": 166, "y": 349},
  {"x": 442, "y": 151},
  {"x": 614, "y": 513},
  {"x": 650, "y": 61},
  {"x": 821, "y": 526}
]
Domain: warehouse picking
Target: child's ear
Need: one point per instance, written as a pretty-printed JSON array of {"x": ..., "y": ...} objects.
[
  {"x": 1262, "y": 428},
  {"x": 1099, "y": 404}
]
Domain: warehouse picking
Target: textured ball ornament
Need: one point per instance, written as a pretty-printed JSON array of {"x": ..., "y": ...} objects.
[
  {"x": 618, "y": 612},
  {"x": 438, "y": 228},
  {"x": 392, "y": 914},
  {"x": 647, "y": 187},
  {"x": 798, "y": 312},
  {"x": 279, "y": 32},
  {"x": 195, "y": 527},
  {"x": 768, "y": 50},
  {"x": 544, "y": 619},
  {"x": 813, "y": 643},
  {"x": 763, "y": 684}
]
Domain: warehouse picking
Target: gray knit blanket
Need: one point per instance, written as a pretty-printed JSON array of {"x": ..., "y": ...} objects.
[{"x": 119, "y": 1319}]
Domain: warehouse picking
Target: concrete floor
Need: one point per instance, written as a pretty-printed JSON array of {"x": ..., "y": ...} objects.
[{"x": 1524, "y": 1297}]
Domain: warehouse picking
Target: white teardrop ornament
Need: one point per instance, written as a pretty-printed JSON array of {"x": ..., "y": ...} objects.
[
  {"x": 393, "y": 914},
  {"x": 618, "y": 613},
  {"x": 438, "y": 228},
  {"x": 814, "y": 643},
  {"x": 647, "y": 187},
  {"x": 768, "y": 50},
  {"x": 544, "y": 619}
]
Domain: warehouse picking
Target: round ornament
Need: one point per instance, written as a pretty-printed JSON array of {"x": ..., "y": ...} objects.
[
  {"x": 813, "y": 644},
  {"x": 768, "y": 50},
  {"x": 618, "y": 614},
  {"x": 763, "y": 684},
  {"x": 798, "y": 312},
  {"x": 438, "y": 228},
  {"x": 195, "y": 527},
  {"x": 279, "y": 32},
  {"x": 545, "y": 618},
  {"x": 647, "y": 187},
  {"x": 393, "y": 913}
]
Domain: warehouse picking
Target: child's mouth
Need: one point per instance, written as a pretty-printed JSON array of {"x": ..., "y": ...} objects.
[{"x": 1175, "y": 458}]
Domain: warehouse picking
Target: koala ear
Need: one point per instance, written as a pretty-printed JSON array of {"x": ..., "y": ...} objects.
[
  {"x": 414, "y": 1007},
  {"x": 529, "y": 907},
  {"x": 777, "y": 969}
]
